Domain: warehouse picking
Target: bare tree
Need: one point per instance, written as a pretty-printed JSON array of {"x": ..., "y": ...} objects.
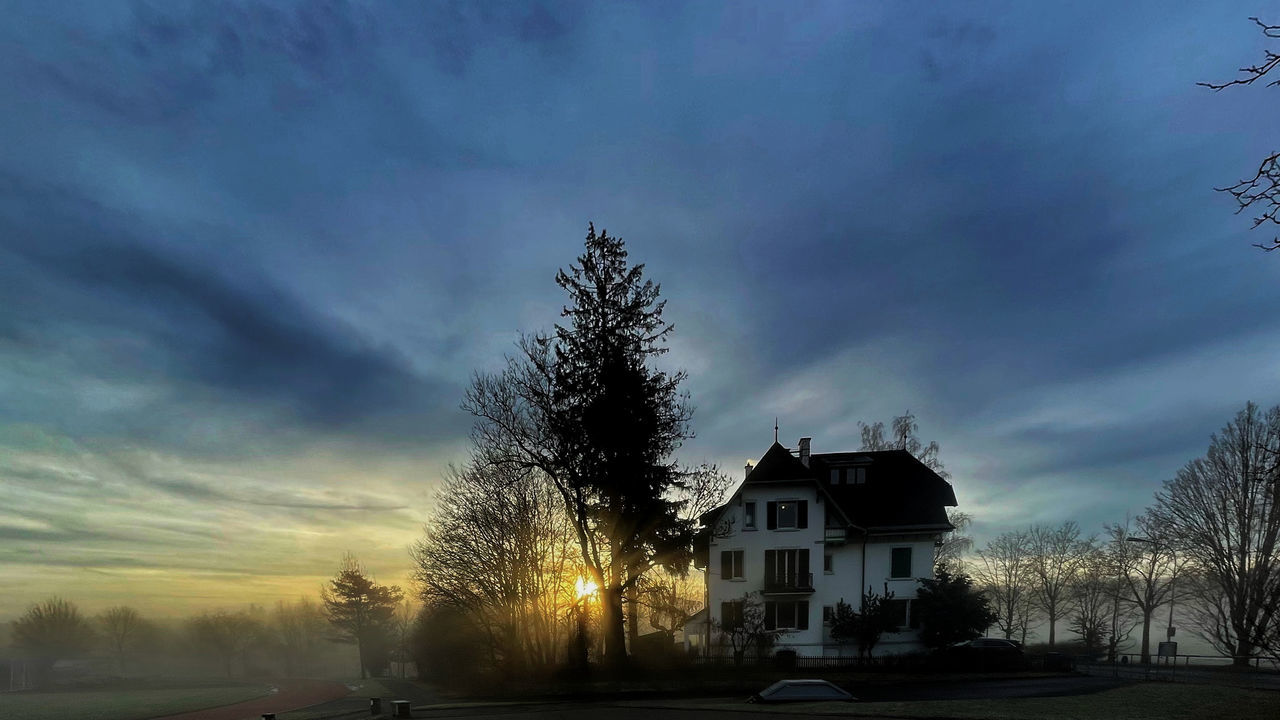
[
  {"x": 949, "y": 552},
  {"x": 299, "y": 628},
  {"x": 1221, "y": 510},
  {"x": 1055, "y": 557},
  {"x": 122, "y": 628},
  {"x": 50, "y": 631},
  {"x": 1003, "y": 570},
  {"x": 902, "y": 436},
  {"x": 1148, "y": 566},
  {"x": 500, "y": 549},
  {"x": 225, "y": 635},
  {"x": 402, "y": 632},
  {"x": 743, "y": 626},
  {"x": 1263, "y": 189},
  {"x": 1094, "y": 599},
  {"x": 670, "y": 599}
]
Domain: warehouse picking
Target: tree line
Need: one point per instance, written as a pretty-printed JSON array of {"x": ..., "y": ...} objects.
[
  {"x": 299, "y": 638},
  {"x": 1208, "y": 543}
]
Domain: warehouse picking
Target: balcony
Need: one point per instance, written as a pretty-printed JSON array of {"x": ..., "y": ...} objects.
[{"x": 789, "y": 583}]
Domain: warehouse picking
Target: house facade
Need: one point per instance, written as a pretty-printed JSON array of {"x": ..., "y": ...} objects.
[{"x": 806, "y": 531}]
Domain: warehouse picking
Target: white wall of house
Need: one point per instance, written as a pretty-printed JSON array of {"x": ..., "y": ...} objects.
[{"x": 842, "y": 582}]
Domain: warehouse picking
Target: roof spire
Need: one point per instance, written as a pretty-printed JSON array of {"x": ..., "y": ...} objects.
[{"x": 775, "y": 428}]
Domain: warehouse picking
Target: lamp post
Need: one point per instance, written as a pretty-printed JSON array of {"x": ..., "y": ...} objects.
[{"x": 1156, "y": 547}]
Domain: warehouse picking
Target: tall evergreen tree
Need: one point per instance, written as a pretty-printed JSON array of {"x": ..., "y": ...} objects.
[
  {"x": 586, "y": 406},
  {"x": 362, "y": 611}
]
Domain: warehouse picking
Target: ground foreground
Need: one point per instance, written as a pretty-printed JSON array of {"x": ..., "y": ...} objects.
[
  {"x": 1157, "y": 701},
  {"x": 1147, "y": 701},
  {"x": 131, "y": 704}
]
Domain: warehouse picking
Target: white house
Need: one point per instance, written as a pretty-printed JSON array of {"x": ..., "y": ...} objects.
[{"x": 805, "y": 531}]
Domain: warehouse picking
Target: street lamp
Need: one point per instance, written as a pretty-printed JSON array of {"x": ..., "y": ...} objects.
[{"x": 1172, "y": 575}]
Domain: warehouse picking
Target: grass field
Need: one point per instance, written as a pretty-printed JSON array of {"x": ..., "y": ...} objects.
[
  {"x": 1146, "y": 701},
  {"x": 132, "y": 704}
]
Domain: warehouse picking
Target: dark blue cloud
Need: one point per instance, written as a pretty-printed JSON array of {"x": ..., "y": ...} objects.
[
  {"x": 317, "y": 219},
  {"x": 207, "y": 325}
]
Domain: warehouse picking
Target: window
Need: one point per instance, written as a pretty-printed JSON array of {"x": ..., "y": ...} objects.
[
  {"x": 826, "y": 563},
  {"x": 859, "y": 476},
  {"x": 900, "y": 563},
  {"x": 731, "y": 564},
  {"x": 898, "y": 613},
  {"x": 828, "y": 614},
  {"x": 787, "y": 569},
  {"x": 835, "y": 476},
  {"x": 786, "y": 615},
  {"x": 731, "y": 614},
  {"x": 788, "y": 515},
  {"x": 749, "y": 516}
]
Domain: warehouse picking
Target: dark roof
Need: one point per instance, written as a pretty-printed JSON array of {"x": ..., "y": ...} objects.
[
  {"x": 900, "y": 491},
  {"x": 779, "y": 464}
]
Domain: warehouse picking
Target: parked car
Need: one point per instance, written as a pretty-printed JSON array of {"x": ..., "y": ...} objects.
[{"x": 983, "y": 654}]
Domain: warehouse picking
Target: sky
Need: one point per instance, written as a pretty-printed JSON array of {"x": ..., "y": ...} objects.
[{"x": 251, "y": 255}]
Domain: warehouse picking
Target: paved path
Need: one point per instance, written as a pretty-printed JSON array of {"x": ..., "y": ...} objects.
[{"x": 288, "y": 695}]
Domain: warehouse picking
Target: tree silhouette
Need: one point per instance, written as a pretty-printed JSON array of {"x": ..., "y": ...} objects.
[
  {"x": 363, "y": 612},
  {"x": 584, "y": 406},
  {"x": 1263, "y": 189},
  {"x": 864, "y": 626},
  {"x": 950, "y": 609},
  {"x": 1222, "y": 513},
  {"x": 50, "y": 631},
  {"x": 122, "y": 628}
]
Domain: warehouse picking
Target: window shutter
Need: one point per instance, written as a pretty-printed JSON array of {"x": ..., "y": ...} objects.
[
  {"x": 802, "y": 611},
  {"x": 803, "y": 514},
  {"x": 726, "y": 564},
  {"x": 726, "y": 615},
  {"x": 771, "y": 616},
  {"x": 773, "y": 516},
  {"x": 770, "y": 566},
  {"x": 803, "y": 561}
]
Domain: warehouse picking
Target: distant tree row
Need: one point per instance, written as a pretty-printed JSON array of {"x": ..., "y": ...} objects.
[
  {"x": 295, "y": 639},
  {"x": 1209, "y": 543}
]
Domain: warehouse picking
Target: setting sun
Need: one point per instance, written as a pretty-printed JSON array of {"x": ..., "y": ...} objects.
[{"x": 585, "y": 587}]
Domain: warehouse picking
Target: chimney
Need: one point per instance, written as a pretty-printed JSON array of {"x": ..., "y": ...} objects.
[
  {"x": 749, "y": 467},
  {"x": 804, "y": 450}
]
